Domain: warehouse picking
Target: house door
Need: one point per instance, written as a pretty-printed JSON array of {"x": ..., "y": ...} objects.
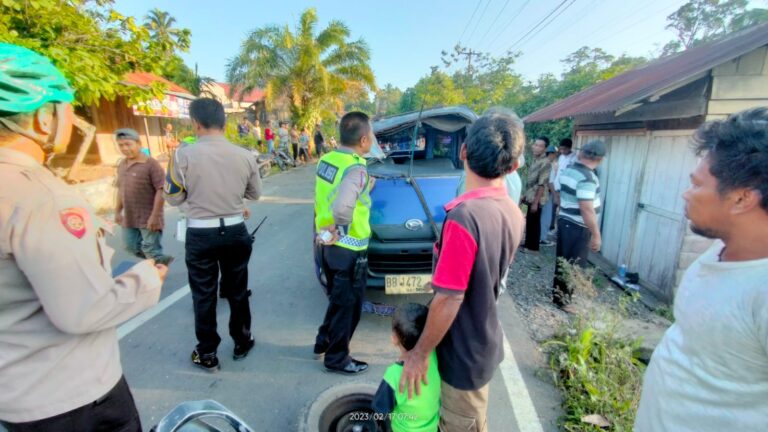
[
  {"x": 619, "y": 176},
  {"x": 660, "y": 210}
]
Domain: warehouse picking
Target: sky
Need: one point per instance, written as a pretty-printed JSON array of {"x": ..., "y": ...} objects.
[{"x": 406, "y": 37}]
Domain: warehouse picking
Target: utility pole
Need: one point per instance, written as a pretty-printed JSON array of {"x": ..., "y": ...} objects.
[
  {"x": 469, "y": 53},
  {"x": 457, "y": 54}
]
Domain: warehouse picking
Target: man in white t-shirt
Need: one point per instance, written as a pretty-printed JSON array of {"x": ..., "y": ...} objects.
[
  {"x": 567, "y": 158},
  {"x": 710, "y": 371}
]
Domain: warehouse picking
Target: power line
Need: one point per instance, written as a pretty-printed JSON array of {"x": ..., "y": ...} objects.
[
  {"x": 522, "y": 44},
  {"x": 552, "y": 12},
  {"x": 611, "y": 30},
  {"x": 490, "y": 27},
  {"x": 479, "y": 2},
  {"x": 583, "y": 12},
  {"x": 509, "y": 23},
  {"x": 479, "y": 20},
  {"x": 646, "y": 18}
]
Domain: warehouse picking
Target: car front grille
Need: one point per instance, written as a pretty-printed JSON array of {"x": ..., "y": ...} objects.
[{"x": 402, "y": 263}]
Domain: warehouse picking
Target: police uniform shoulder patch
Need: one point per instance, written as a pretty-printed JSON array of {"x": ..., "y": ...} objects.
[
  {"x": 74, "y": 220},
  {"x": 327, "y": 171}
]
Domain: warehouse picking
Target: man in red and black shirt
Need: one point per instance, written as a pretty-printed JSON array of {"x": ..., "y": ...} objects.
[{"x": 479, "y": 238}]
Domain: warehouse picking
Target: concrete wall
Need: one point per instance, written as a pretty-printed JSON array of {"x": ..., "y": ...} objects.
[
  {"x": 739, "y": 84},
  {"x": 218, "y": 93}
]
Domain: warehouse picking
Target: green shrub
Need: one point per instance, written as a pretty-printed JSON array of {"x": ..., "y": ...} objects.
[
  {"x": 666, "y": 312},
  {"x": 598, "y": 371}
]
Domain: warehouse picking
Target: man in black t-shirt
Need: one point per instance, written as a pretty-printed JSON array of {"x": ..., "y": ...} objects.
[{"x": 480, "y": 235}]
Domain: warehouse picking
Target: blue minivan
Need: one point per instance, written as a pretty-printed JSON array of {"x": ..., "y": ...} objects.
[{"x": 417, "y": 173}]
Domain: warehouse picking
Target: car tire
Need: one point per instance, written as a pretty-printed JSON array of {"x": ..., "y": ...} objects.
[{"x": 344, "y": 407}]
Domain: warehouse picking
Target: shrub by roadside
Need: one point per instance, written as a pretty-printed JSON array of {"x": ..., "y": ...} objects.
[{"x": 596, "y": 368}]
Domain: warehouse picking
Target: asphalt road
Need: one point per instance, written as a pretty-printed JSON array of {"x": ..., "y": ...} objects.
[{"x": 270, "y": 388}]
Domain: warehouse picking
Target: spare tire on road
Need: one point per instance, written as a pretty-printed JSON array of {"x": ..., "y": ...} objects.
[{"x": 343, "y": 408}]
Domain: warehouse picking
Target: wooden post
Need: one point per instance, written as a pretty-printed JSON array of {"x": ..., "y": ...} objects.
[
  {"x": 146, "y": 131},
  {"x": 89, "y": 131}
]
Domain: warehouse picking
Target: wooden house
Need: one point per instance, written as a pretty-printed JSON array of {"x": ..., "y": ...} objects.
[{"x": 646, "y": 117}]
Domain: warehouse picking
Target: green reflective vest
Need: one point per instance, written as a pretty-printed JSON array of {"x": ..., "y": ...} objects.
[{"x": 331, "y": 169}]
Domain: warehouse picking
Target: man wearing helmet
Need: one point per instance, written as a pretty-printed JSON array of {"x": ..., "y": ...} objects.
[{"x": 59, "y": 305}]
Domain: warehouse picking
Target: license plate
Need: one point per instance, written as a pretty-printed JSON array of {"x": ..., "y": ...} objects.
[{"x": 408, "y": 284}]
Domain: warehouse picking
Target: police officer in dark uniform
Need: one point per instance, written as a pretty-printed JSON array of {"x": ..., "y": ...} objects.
[
  {"x": 213, "y": 177},
  {"x": 342, "y": 209}
]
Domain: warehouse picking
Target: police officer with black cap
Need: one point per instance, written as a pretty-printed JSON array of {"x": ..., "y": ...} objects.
[{"x": 213, "y": 177}]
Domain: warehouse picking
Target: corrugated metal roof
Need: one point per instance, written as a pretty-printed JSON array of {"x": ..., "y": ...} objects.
[
  {"x": 145, "y": 79},
  {"x": 640, "y": 83}
]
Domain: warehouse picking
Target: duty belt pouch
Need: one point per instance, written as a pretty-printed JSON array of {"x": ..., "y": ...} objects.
[
  {"x": 360, "y": 274},
  {"x": 181, "y": 229}
]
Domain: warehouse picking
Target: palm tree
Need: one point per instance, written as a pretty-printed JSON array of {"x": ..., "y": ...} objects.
[
  {"x": 312, "y": 70},
  {"x": 161, "y": 26}
]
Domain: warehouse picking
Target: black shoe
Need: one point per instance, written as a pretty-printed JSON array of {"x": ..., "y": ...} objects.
[
  {"x": 354, "y": 367},
  {"x": 241, "y": 351},
  {"x": 207, "y": 362}
]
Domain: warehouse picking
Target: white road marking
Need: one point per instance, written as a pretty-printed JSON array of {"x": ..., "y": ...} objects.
[
  {"x": 138, "y": 320},
  {"x": 522, "y": 405}
]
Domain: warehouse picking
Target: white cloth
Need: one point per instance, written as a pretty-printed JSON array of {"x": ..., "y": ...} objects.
[
  {"x": 563, "y": 162},
  {"x": 710, "y": 371}
]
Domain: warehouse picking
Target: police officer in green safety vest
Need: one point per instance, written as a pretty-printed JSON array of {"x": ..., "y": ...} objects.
[{"x": 342, "y": 210}]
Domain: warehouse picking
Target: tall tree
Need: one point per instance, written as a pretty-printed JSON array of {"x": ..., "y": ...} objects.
[
  {"x": 704, "y": 20},
  {"x": 170, "y": 39},
  {"x": 312, "y": 69},
  {"x": 89, "y": 41},
  {"x": 434, "y": 90},
  {"x": 161, "y": 27},
  {"x": 387, "y": 100}
]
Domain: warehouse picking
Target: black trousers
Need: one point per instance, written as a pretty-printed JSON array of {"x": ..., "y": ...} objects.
[
  {"x": 572, "y": 245},
  {"x": 113, "y": 412},
  {"x": 347, "y": 275},
  {"x": 532, "y": 229},
  {"x": 295, "y": 148},
  {"x": 208, "y": 252}
]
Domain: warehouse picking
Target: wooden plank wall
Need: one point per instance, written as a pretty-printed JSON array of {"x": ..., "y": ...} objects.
[
  {"x": 108, "y": 116},
  {"x": 619, "y": 174},
  {"x": 739, "y": 84}
]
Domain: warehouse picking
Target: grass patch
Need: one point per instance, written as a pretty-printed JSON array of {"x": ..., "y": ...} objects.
[
  {"x": 665, "y": 311},
  {"x": 598, "y": 372}
]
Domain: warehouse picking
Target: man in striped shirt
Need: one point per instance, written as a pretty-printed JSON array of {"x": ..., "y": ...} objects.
[{"x": 577, "y": 228}]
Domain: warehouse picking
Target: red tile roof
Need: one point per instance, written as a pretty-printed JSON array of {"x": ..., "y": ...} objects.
[
  {"x": 640, "y": 83},
  {"x": 145, "y": 79},
  {"x": 254, "y": 96}
]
